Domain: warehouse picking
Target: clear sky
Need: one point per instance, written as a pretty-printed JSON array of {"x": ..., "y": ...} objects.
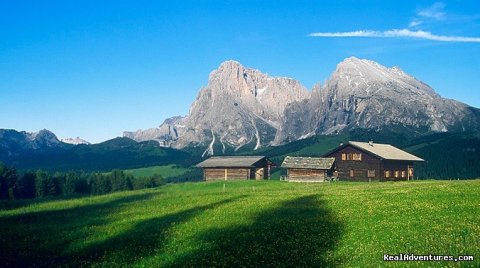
[{"x": 96, "y": 68}]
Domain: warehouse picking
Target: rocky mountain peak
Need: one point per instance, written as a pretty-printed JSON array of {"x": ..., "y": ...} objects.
[
  {"x": 229, "y": 70},
  {"x": 364, "y": 94},
  {"x": 46, "y": 136},
  {"x": 240, "y": 106},
  {"x": 74, "y": 141},
  {"x": 229, "y": 65},
  {"x": 11, "y": 140},
  {"x": 362, "y": 77},
  {"x": 354, "y": 67}
]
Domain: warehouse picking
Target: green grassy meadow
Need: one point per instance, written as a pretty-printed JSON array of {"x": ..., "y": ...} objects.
[
  {"x": 252, "y": 223},
  {"x": 165, "y": 171}
]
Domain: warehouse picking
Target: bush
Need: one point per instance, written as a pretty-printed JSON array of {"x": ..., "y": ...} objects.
[{"x": 148, "y": 182}]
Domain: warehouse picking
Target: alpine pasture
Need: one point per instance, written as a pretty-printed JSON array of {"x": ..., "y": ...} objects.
[{"x": 247, "y": 223}]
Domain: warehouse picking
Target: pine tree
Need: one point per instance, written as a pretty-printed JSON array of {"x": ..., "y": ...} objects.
[
  {"x": 70, "y": 183},
  {"x": 8, "y": 177},
  {"x": 25, "y": 186}
]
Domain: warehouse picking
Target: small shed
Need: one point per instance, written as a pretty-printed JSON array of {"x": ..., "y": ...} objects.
[
  {"x": 236, "y": 167},
  {"x": 308, "y": 169}
]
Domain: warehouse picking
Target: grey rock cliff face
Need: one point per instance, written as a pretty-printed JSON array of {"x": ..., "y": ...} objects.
[
  {"x": 365, "y": 94},
  {"x": 239, "y": 106}
]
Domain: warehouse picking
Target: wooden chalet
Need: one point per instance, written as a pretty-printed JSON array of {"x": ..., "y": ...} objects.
[
  {"x": 236, "y": 167},
  {"x": 367, "y": 161},
  {"x": 308, "y": 169}
]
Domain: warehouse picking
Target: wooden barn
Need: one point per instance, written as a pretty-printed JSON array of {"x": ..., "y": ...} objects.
[
  {"x": 236, "y": 167},
  {"x": 308, "y": 169},
  {"x": 368, "y": 161}
]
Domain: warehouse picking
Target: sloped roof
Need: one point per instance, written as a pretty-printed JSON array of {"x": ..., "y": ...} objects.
[
  {"x": 308, "y": 162},
  {"x": 385, "y": 151},
  {"x": 230, "y": 161}
]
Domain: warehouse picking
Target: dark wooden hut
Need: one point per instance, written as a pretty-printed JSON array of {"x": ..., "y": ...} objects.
[
  {"x": 308, "y": 169},
  {"x": 367, "y": 161},
  {"x": 236, "y": 167}
]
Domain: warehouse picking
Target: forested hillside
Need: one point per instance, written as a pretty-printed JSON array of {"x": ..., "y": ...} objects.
[
  {"x": 118, "y": 153},
  {"x": 447, "y": 155}
]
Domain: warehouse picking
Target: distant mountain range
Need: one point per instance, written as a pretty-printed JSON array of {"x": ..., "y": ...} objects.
[
  {"x": 243, "y": 107},
  {"x": 43, "y": 150},
  {"x": 244, "y": 111},
  {"x": 13, "y": 142}
]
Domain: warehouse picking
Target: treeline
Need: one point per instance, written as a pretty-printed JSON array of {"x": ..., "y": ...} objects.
[
  {"x": 448, "y": 156},
  {"x": 14, "y": 185}
]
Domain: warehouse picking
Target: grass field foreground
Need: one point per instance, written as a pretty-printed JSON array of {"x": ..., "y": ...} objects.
[{"x": 251, "y": 223}]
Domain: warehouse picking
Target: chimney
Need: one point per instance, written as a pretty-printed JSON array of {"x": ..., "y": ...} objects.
[{"x": 370, "y": 143}]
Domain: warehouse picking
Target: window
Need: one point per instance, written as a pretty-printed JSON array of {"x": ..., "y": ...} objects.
[
  {"x": 352, "y": 156},
  {"x": 387, "y": 173},
  {"x": 397, "y": 173},
  {"x": 357, "y": 157},
  {"x": 371, "y": 173},
  {"x": 403, "y": 173},
  {"x": 352, "y": 173}
]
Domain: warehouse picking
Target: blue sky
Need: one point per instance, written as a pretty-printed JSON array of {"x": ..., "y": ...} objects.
[{"x": 96, "y": 68}]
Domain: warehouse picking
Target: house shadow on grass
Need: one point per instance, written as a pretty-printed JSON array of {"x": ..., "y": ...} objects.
[
  {"x": 142, "y": 240},
  {"x": 301, "y": 232},
  {"x": 46, "y": 238},
  {"x": 40, "y": 238}
]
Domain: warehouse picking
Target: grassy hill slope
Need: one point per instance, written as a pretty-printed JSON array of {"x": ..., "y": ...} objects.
[
  {"x": 166, "y": 171},
  {"x": 252, "y": 223}
]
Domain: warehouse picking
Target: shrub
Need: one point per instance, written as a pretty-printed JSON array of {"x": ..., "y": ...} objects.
[{"x": 148, "y": 182}]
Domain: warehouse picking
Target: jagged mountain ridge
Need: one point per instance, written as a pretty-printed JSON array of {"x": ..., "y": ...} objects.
[
  {"x": 239, "y": 106},
  {"x": 167, "y": 133},
  {"x": 43, "y": 150},
  {"x": 12, "y": 141},
  {"x": 242, "y": 106},
  {"x": 365, "y": 94}
]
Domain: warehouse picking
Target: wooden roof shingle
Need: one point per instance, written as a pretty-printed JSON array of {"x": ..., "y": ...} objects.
[
  {"x": 230, "y": 161},
  {"x": 308, "y": 162},
  {"x": 385, "y": 151}
]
